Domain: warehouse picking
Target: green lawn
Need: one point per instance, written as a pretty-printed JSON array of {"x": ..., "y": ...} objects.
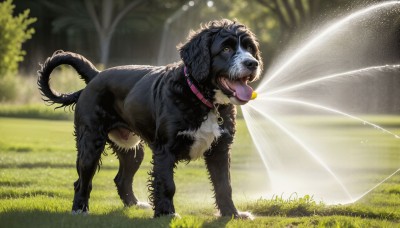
[{"x": 37, "y": 171}]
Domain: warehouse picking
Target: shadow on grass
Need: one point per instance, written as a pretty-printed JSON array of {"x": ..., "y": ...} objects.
[
  {"x": 29, "y": 165},
  {"x": 10, "y": 194},
  {"x": 14, "y": 183},
  {"x": 115, "y": 218},
  {"x": 219, "y": 222},
  {"x": 35, "y": 165}
]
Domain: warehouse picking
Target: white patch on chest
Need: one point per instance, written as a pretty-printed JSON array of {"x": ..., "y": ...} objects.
[{"x": 203, "y": 137}]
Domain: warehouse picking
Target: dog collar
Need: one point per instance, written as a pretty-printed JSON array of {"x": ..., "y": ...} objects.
[
  {"x": 196, "y": 91},
  {"x": 201, "y": 97}
]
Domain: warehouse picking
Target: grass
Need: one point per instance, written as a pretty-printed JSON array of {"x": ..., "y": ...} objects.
[
  {"x": 27, "y": 101},
  {"x": 36, "y": 111},
  {"x": 37, "y": 169}
]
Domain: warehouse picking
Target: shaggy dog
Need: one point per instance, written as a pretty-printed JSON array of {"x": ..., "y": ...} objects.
[{"x": 182, "y": 111}]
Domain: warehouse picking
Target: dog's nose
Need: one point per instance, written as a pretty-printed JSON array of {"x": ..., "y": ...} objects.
[{"x": 251, "y": 64}]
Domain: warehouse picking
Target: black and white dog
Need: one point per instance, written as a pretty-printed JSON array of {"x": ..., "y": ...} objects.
[{"x": 183, "y": 111}]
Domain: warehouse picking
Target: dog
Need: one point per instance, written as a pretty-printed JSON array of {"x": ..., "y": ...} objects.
[{"x": 182, "y": 111}]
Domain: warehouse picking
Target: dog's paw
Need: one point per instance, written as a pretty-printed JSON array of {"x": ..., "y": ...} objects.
[
  {"x": 80, "y": 212},
  {"x": 175, "y": 215},
  {"x": 245, "y": 215},
  {"x": 143, "y": 205}
]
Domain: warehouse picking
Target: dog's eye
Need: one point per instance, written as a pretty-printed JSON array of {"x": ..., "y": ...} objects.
[
  {"x": 250, "y": 49},
  {"x": 227, "y": 49}
]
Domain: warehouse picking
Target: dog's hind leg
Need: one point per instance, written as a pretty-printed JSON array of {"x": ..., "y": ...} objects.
[
  {"x": 90, "y": 145},
  {"x": 129, "y": 163}
]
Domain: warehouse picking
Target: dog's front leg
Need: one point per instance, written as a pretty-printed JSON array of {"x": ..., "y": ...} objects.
[
  {"x": 218, "y": 165},
  {"x": 162, "y": 186}
]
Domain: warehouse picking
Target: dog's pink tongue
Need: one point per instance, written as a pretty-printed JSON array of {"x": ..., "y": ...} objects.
[{"x": 242, "y": 90}]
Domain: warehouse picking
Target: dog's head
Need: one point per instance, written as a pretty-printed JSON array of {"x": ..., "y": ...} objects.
[{"x": 223, "y": 55}]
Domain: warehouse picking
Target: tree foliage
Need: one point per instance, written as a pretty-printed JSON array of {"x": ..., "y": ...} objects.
[
  {"x": 297, "y": 15},
  {"x": 276, "y": 22},
  {"x": 14, "y": 31}
]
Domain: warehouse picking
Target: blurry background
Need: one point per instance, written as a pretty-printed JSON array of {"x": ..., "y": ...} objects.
[
  {"x": 111, "y": 33},
  {"x": 118, "y": 32}
]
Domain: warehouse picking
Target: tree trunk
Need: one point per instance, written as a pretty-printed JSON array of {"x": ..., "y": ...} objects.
[
  {"x": 276, "y": 9},
  {"x": 105, "y": 41},
  {"x": 105, "y": 27},
  {"x": 300, "y": 9},
  {"x": 291, "y": 16}
]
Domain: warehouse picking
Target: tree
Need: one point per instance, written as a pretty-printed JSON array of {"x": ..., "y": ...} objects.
[
  {"x": 107, "y": 20},
  {"x": 14, "y": 30},
  {"x": 104, "y": 16},
  {"x": 276, "y": 22},
  {"x": 296, "y": 15}
]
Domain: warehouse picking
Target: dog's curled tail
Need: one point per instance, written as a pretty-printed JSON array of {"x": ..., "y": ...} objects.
[{"x": 86, "y": 70}]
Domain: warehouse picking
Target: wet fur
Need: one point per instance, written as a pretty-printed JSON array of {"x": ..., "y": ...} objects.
[{"x": 155, "y": 104}]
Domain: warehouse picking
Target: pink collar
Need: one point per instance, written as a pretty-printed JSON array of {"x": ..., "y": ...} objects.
[{"x": 196, "y": 91}]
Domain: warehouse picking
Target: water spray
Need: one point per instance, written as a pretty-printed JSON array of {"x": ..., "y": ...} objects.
[{"x": 301, "y": 126}]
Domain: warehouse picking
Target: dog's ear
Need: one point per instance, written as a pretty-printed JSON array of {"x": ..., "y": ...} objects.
[{"x": 195, "y": 54}]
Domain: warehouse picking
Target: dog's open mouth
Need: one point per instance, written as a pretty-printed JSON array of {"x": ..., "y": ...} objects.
[{"x": 236, "y": 88}]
